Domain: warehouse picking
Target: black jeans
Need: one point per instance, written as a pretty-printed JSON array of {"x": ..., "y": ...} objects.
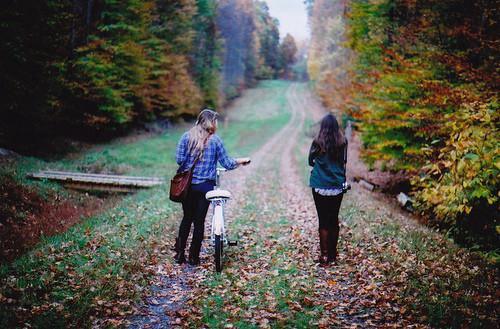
[
  {"x": 195, "y": 209},
  {"x": 328, "y": 210}
]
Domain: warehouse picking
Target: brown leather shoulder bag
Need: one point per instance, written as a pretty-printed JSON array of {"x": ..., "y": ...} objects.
[{"x": 179, "y": 185}]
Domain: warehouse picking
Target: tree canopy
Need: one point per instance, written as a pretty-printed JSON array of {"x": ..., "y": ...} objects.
[{"x": 94, "y": 68}]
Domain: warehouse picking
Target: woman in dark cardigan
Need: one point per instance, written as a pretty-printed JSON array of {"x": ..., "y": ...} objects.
[{"x": 328, "y": 158}]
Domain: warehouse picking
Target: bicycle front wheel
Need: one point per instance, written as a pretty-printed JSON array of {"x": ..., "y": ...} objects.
[{"x": 218, "y": 252}]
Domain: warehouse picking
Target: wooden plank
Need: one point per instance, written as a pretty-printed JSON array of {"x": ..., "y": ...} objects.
[
  {"x": 96, "y": 180},
  {"x": 99, "y": 179},
  {"x": 69, "y": 173},
  {"x": 104, "y": 177}
]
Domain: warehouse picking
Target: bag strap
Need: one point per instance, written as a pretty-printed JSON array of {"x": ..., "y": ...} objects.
[{"x": 197, "y": 158}]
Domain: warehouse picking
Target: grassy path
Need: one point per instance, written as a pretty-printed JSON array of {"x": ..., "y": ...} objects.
[
  {"x": 272, "y": 280},
  {"x": 116, "y": 269}
]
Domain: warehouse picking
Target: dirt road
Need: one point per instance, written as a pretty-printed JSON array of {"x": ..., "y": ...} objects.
[{"x": 272, "y": 279}]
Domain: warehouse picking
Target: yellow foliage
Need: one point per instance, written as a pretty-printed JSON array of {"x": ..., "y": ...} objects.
[{"x": 466, "y": 174}]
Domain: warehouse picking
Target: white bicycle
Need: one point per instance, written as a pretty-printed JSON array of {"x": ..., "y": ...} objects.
[{"x": 218, "y": 198}]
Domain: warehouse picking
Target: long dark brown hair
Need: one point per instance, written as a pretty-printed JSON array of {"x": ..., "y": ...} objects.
[{"x": 330, "y": 139}]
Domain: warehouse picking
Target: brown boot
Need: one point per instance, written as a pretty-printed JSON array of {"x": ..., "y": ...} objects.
[
  {"x": 323, "y": 246},
  {"x": 333, "y": 238}
]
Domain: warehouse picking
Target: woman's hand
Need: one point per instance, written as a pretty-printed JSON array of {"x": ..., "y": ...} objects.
[{"x": 243, "y": 161}]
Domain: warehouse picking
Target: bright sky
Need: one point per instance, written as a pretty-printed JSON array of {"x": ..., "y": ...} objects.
[{"x": 292, "y": 15}]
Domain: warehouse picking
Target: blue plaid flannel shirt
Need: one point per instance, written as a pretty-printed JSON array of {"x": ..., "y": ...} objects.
[{"x": 205, "y": 168}]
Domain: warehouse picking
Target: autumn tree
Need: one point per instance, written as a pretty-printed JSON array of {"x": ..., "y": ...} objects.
[
  {"x": 426, "y": 96},
  {"x": 299, "y": 69},
  {"x": 206, "y": 50},
  {"x": 328, "y": 59},
  {"x": 110, "y": 71},
  {"x": 288, "y": 53},
  {"x": 86, "y": 68},
  {"x": 171, "y": 90}
]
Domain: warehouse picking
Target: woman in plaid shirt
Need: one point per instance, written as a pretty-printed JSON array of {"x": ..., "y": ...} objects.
[{"x": 200, "y": 141}]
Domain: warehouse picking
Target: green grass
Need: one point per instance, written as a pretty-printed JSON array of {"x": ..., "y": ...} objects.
[
  {"x": 256, "y": 117},
  {"x": 69, "y": 279},
  {"x": 96, "y": 260}
]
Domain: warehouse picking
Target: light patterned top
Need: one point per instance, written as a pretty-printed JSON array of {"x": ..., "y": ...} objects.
[{"x": 328, "y": 191}]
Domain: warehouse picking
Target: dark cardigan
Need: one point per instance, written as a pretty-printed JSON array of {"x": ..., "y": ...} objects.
[{"x": 326, "y": 173}]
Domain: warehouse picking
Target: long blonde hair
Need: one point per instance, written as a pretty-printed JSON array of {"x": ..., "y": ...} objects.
[{"x": 206, "y": 124}]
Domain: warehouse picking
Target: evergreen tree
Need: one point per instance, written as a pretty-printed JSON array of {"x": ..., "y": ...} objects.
[
  {"x": 288, "y": 53},
  {"x": 207, "y": 47},
  {"x": 237, "y": 26},
  {"x": 269, "y": 39}
]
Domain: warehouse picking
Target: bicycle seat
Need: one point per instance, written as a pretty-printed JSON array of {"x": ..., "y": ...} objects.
[{"x": 218, "y": 194}]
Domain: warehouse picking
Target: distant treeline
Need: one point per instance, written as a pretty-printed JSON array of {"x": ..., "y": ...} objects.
[
  {"x": 86, "y": 68},
  {"x": 421, "y": 77}
]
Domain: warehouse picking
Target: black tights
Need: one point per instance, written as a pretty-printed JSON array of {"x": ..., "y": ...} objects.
[
  {"x": 195, "y": 209},
  {"x": 328, "y": 210},
  {"x": 328, "y": 213}
]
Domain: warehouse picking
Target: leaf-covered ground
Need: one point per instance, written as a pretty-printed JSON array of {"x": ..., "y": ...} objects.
[
  {"x": 392, "y": 271},
  {"x": 116, "y": 269}
]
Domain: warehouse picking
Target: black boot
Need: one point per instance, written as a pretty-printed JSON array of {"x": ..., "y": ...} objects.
[
  {"x": 180, "y": 246},
  {"x": 323, "y": 246},
  {"x": 194, "y": 261},
  {"x": 194, "y": 252},
  {"x": 194, "y": 257},
  {"x": 176, "y": 245}
]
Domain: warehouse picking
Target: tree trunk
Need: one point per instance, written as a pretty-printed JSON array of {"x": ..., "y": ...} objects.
[{"x": 88, "y": 20}]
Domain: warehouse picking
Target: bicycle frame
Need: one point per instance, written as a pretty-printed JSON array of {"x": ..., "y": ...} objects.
[
  {"x": 218, "y": 210},
  {"x": 218, "y": 199},
  {"x": 218, "y": 219}
]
